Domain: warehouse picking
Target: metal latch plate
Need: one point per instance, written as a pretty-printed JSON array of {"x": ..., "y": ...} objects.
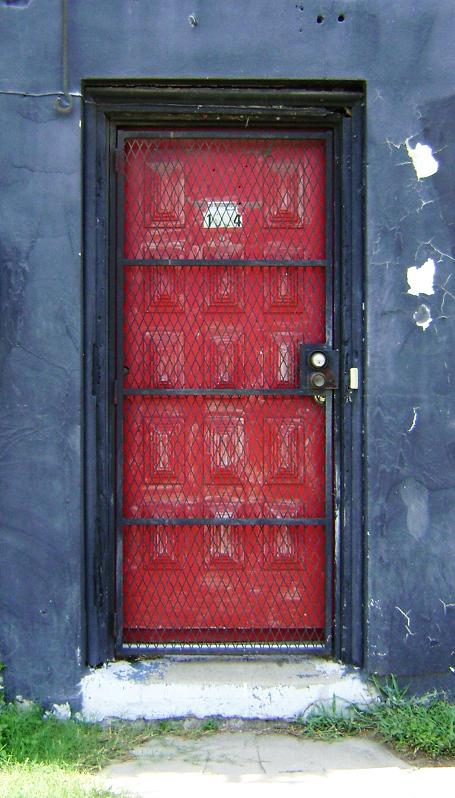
[{"x": 315, "y": 380}]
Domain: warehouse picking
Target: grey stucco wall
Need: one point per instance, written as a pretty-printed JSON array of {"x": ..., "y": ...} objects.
[{"x": 405, "y": 53}]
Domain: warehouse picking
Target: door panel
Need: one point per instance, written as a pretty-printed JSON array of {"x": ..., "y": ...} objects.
[{"x": 223, "y": 460}]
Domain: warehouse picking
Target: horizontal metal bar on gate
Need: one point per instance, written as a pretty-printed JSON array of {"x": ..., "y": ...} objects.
[
  {"x": 131, "y": 649},
  {"x": 226, "y": 521},
  {"x": 233, "y": 134},
  {"x": 213, "y": 392},
  {"x": 225, "y": 262}
]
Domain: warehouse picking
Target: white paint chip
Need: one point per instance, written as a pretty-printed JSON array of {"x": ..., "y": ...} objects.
[
  {"x": 61, "y": 711},
  {"x": 420, "y": 279},
  {"x": 423, "y": 159},
  {"x": 422, "y": 317}
]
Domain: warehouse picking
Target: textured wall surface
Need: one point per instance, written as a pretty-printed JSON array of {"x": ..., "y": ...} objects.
[{"x": 405, "y": 53}]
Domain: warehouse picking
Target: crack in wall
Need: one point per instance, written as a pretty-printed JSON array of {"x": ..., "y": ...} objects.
[
  {"x": 406, "y": 616},
  {"x": 414, "y": 420}
]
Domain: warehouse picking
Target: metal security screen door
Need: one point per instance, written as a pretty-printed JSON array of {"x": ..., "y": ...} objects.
[{"x": 224, "y": 456}]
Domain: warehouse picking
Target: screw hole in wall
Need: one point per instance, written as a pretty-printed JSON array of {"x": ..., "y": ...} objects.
[
  {"x": 341, "y": 18},
  {"x": 320, "y": 19}
]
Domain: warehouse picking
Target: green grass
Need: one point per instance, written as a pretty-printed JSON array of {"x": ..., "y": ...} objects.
[
  {"x": 42, "y": 757},
  {"x": 26, "y": 736},
  {"x": 47, "y": 781},
  {"x": 424, "y": 726},
  {"x": 48, "y": 758},
  {"x": 182, "y": 729}
]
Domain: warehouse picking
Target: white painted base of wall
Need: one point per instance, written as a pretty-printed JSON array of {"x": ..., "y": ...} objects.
[{"x": 174, "y": 687}]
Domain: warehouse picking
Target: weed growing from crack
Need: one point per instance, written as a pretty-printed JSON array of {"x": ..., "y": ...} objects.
[{"x": 424, "y": 725}]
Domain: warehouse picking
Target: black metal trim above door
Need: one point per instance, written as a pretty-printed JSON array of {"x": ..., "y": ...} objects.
[{"x": 280, "y": 105}]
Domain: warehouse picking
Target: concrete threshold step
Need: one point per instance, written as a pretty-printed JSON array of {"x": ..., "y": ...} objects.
[{"x": 256, "y": 688}]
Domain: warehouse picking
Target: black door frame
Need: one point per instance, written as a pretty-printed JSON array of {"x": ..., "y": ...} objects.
[{"x": 179, "y": 103}]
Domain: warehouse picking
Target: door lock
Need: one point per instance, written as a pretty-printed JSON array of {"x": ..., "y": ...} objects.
[{"x": 318, "y": 369}]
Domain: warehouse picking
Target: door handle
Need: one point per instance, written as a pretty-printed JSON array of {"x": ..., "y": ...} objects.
[{"x": 318, "y": 369}]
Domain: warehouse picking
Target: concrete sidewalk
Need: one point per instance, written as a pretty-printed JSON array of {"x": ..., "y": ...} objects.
[{"x": 259, "y": 763}]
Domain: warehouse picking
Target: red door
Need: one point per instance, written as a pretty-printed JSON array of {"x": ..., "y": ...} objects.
[{"x": 222, "y": 461}]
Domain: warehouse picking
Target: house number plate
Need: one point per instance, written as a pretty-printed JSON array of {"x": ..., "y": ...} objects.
[{"x": 222, "y": 214}]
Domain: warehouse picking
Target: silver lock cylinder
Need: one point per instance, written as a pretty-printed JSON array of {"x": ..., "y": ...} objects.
[{"x": 318, "y": 359}]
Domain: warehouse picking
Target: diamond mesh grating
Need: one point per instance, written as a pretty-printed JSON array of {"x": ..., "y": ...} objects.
[
  {"x": 233, "y": 457},
  {"x": 224, "y": 199},
  {"x": 224, "y": 583},
  {"x": 214, "y": 442},
  {"x": 220, "y": 327}
]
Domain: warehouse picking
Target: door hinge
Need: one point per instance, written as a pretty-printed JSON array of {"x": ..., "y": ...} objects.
[{"x": 119, "y": 160}]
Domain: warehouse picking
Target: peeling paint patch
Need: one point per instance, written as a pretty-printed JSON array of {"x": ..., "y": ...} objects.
[
  {"x": 422, "y": 317},
  {"x": 420, "y": 279},
  {"x": 228, "y": 689},
  {"x": 423, "y": 160}
]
